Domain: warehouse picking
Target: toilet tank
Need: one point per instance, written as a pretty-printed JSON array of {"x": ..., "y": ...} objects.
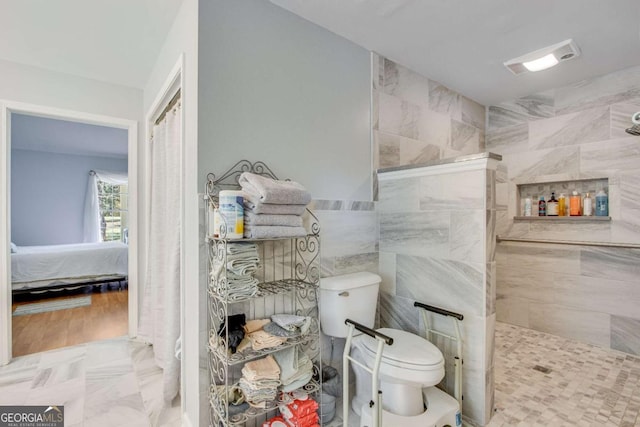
[{"x": 350, "y": 296}]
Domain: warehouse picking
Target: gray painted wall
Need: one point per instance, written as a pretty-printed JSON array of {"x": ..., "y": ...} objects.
[
  {"x": 47, "y": 195},
  {"x": 276, "y": 88}
]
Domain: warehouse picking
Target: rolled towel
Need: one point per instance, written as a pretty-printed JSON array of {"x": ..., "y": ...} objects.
[
  {"x": 273, "y": 231},
  {"x": 251, "y": 204},
  {"x": 272, "y": 191},
  {"x": 252, "y": 219},
  {"x": 242, "y": 267},
  {"x": 241, "y": 248}
]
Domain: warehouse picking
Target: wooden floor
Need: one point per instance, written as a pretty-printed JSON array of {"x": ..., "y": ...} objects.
[{"x": 106, "y": 317}]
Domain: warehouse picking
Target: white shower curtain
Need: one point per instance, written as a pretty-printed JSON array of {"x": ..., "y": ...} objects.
[
  {"x": 92, "y": 204},
  {"x": 160, "y": 315}
]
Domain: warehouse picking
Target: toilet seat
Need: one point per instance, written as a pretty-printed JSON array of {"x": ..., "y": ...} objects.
[{"x": 409, "y": 351}]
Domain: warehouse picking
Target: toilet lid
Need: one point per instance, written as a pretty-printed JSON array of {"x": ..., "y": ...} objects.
[{"x": 407, "y": 348}]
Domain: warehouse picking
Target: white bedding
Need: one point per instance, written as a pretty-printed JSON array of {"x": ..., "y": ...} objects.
[{"x": 40, "y": 263}]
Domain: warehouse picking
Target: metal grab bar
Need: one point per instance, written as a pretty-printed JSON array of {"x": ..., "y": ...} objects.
[
  {"x": 441, "y": 311},
  {"x": 456, "y": 318},
  {"x": 376, "y": 395},
  {"x": 569, "y": 242},
  {"x": 372, "y": 333}
]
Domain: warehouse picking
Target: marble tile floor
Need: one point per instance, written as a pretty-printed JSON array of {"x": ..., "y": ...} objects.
[
  {"x": 586, "y": 386},
  {"x": 116, "y": 382},
  {"x": 103, "y": 383}
]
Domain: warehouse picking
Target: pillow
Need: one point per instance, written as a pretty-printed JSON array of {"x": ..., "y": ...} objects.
[{"x": 14, "y": 248}]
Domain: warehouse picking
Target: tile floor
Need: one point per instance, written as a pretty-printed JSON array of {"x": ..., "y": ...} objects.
[
  {"x": 104, "y": 383},
  {"x": 587, "y": 385},
  {"x": 116, "y": 383}
]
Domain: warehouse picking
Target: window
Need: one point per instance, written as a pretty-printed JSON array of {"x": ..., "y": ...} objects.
[{"x": 114, "y": 214}]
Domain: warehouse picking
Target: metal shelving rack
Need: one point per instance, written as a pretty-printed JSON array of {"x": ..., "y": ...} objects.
[{"x": 289, "y": 275}]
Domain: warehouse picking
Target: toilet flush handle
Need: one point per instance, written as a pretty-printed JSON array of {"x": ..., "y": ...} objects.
[{"x": 343, "y": 294}]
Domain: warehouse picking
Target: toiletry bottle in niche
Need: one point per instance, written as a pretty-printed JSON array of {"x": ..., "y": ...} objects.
[
  {"x": 527, "y": 206},
  {"x": 542, "y": 207},
  {"x": 587, "y": 205},
  {"x": 574, "y": 204},
  {"x": 552, "y": 205},
  {"x": 602, "y": 204},
  {"x": 562, "y": 205}
]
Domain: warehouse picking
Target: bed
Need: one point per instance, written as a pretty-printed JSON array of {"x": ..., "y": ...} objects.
[{"x": 45, "y": 268}]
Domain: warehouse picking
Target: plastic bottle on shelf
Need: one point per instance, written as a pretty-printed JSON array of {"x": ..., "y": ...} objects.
[
  {"x": 232, "y": 213},
  {"x": 602, "y": 204},
  {"x": 574, "y": 204},
  {"x": 527, "y": 206},
  {"x": 587, "y": 205},
  {"x": 562, "y": 205},
  {"x": 552, "y": 205},
  {"x": 542, "y": 207}
]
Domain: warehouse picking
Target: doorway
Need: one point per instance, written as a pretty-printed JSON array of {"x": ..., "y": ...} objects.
[{"x": 12, "y": 114}]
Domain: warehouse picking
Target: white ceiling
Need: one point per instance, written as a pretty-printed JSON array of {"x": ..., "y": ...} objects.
[
  {"x": 463, "y": 43},
  {"x": 460, "y": 43},
  {"x": 61, "y": 136},
  {"x": 116, "y": 41}
]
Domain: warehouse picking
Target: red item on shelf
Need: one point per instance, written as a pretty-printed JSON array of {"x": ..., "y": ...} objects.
[
  {"x": 301, "y": 413},
  {"x": 275, "y": 422}
]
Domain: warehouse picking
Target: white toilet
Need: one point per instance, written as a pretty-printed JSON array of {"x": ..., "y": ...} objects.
[{"x": 410, "y": 367}]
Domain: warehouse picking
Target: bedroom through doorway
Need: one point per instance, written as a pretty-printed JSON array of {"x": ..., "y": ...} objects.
[{"x": 72, "y": 228}]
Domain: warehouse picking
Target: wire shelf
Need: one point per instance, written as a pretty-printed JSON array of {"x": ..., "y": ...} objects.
[{"x": 219, "y": 403}]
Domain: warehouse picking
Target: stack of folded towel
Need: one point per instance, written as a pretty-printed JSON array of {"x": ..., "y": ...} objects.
[
  {"x": 259, "y": 339},
  {"x": 296, "y": 368},
  {"x": 260, "y": 381},
  {"x": 268, "y": 333},
  {"x": 242, "y": 262},
  {"x": 273, "y": 208},
  {"x": 288, "y": 325}
]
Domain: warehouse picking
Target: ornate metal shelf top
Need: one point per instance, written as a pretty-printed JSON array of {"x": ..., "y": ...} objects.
[{"x": 229, "y": 179}]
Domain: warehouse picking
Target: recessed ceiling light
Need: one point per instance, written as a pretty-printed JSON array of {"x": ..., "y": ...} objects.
[
  {"x": 540, "y": 64},
  {"x": 544, "y": 58}
]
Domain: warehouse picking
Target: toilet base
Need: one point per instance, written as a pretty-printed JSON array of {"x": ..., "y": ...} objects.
[{"x": 442, "y": 410}]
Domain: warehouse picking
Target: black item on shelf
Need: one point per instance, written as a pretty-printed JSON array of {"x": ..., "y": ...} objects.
[{"x": 236, "y": 330}]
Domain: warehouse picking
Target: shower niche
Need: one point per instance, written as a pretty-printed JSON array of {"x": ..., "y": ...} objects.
[{"x": 582, "y": 186}]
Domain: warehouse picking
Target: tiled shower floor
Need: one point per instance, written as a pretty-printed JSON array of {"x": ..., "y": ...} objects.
[{"x": 586, "y": 385}]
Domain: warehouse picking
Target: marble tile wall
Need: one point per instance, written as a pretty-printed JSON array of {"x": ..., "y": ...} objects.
[
  {"x": 416, "y": 119},
  {"x": 437, "y": 246},
  {"x": 566, "y": 134},
  {"x": 348, "y": 236},
  {"x": 348, "y": 244}
]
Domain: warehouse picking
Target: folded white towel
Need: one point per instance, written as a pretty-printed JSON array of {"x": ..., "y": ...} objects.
[
  {"x": 253, "y": 204},
  {"x": 252, "y": 219},
  {"x": 272, "y": 191},
  {"x": 273, "y": 231},
  {"x": 242, "y": 248},
  {"x": 292, "y": 322}
]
